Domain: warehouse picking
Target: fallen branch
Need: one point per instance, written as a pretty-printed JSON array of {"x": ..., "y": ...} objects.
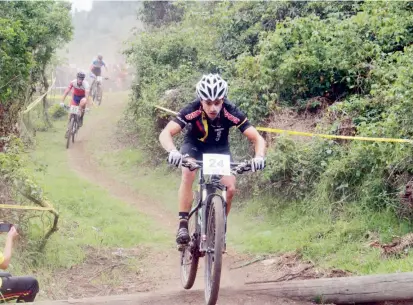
[
  {"x": 111, "y": 267},
  {"x": 258, "y": 259},
  {"x": 285, "y": 277}
]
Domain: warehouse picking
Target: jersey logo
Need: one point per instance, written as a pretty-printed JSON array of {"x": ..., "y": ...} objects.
[
  {"x": 230, "y": 117},
  {"x": 193, "y": 115}
]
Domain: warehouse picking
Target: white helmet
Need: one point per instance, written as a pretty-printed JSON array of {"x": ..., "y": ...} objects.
[{"x": 211, "y": 87}]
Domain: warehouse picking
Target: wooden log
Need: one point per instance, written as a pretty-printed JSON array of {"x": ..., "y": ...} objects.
[{"x": 342, "y": 290}]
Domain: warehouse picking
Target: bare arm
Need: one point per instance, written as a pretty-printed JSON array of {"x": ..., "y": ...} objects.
[
  {"x": 8, "y": 248},
  {"x": 68, "y": 89},
  {"x": 259, "y": 143},
  {"x": 65, "y": 94},
  {"x": 170, "y": 130}
]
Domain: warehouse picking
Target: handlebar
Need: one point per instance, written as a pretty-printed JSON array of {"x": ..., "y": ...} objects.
[{"x": 236, "y": 167}]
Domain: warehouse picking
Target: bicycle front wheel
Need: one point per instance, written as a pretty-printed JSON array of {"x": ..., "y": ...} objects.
[
  {"x": 74, "y": 130},
  {"x": 69, "y": 131},
  {"x": 215, "y": 245},
  {"x": 93, "y": 90},
  {"x": 99, "y": 94}
]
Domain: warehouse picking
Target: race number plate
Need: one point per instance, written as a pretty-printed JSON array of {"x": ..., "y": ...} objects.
[
  {"x": 216, "y": 164},
  {"x": 99, "y": 78},
  {"x": 74, "y": 109}
]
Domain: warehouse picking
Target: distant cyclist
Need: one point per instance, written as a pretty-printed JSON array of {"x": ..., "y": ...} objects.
[
  {"x": 97, "y": 64},
  {"x": 80, "y": 90}
]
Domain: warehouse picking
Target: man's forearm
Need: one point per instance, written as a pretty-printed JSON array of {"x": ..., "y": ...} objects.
[
  {"x": 166, "y": 141},
  {"x": 65, "y": 95},
  {"x": 260, "y": 147}
]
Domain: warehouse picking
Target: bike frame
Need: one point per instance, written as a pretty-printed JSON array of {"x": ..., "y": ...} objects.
[
  {"x": 76, "y": 118},
  {"x": 208, "y": 187}
]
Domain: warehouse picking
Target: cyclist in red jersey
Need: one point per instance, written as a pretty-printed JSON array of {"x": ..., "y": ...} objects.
[{"x": 80, "y": 94}]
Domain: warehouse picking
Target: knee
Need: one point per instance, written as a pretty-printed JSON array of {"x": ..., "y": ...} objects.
[
  {"x": 83, "y": 102},
  {"x": 188, "y": 177},
  {"x": 231, "y": 189}
]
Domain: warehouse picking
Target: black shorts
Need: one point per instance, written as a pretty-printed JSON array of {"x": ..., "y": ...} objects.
[
  {"x": 22, "y": 288},
  {"x": 196, "y": 150},
  {"x": 97, "y": 71}
]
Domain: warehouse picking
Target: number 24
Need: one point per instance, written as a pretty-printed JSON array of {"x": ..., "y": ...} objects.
[{"x": 215, "y": 163}]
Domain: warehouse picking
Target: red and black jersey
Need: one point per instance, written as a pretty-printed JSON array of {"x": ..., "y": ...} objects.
[{"x": 203, "y": 129}]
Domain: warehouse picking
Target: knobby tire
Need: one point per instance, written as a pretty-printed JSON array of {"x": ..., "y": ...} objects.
[
  {"x": 70, "y": 130},
  {"x": 215, "y": 241},
  {"x": 189, "y": 268},
  {"x": 74, "y": 130}
]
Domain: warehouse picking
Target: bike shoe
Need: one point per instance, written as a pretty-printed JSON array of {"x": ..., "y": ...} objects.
[{"x": 182, "y": 237}]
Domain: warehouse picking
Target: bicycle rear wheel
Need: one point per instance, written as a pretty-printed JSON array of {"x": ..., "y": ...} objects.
[
  {"x": 190, "y": 253},
  {"x": 69, "y": 131},
  {"x": 215, "y": 245}
]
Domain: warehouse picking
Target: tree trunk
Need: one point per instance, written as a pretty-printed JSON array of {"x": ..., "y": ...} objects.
[
  {"x": 45, "y": 105},
  {"x": 343, "y": 290}
]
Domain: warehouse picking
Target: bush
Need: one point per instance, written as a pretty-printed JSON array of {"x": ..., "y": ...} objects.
[
  {"x": 357, "y": 57},
  {"x": 56, "y": 111}
]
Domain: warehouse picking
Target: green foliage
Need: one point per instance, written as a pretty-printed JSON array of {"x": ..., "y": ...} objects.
[
  {"x": 30, "y": 33},
  {"x": 158, "y": 13},
  {"x": 356, "y": 56},
  {"x": 56, "y": 111}
]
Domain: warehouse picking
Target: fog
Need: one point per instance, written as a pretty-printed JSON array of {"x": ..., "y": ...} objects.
[{"x": 104, "y": 29}]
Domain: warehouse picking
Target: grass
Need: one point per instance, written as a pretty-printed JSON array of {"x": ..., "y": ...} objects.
[{"x": 89, "y": 215}]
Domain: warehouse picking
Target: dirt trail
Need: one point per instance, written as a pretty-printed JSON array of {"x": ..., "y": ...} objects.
[{"x": 160, "y": 268}]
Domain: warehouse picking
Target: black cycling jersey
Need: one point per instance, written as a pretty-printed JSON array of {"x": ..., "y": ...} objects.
[{"x": 203, "y": 129}]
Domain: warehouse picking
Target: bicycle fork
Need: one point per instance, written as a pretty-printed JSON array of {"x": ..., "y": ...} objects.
[{"x": 203, "y": 220}]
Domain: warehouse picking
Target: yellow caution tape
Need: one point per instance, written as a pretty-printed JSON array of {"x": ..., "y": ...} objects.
[
  {"x": 32, "y": 105},
  {"x": 309, "y": 134},
  {"x": 22, "y": 207},
  {"x": 167, "y": 110}
]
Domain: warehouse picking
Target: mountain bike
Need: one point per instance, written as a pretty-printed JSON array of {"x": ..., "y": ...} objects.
[
  {"x": 73, "y": 126},
  {"x": 207, "y": 223},
  {"x": 96, "y": 88}
]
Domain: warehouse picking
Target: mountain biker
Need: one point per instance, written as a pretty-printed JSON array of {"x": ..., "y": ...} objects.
[
  {"x": 209, "y": 117},
  {"x": 80, "y": 90},
  {"x": 97, "y": 64}
]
